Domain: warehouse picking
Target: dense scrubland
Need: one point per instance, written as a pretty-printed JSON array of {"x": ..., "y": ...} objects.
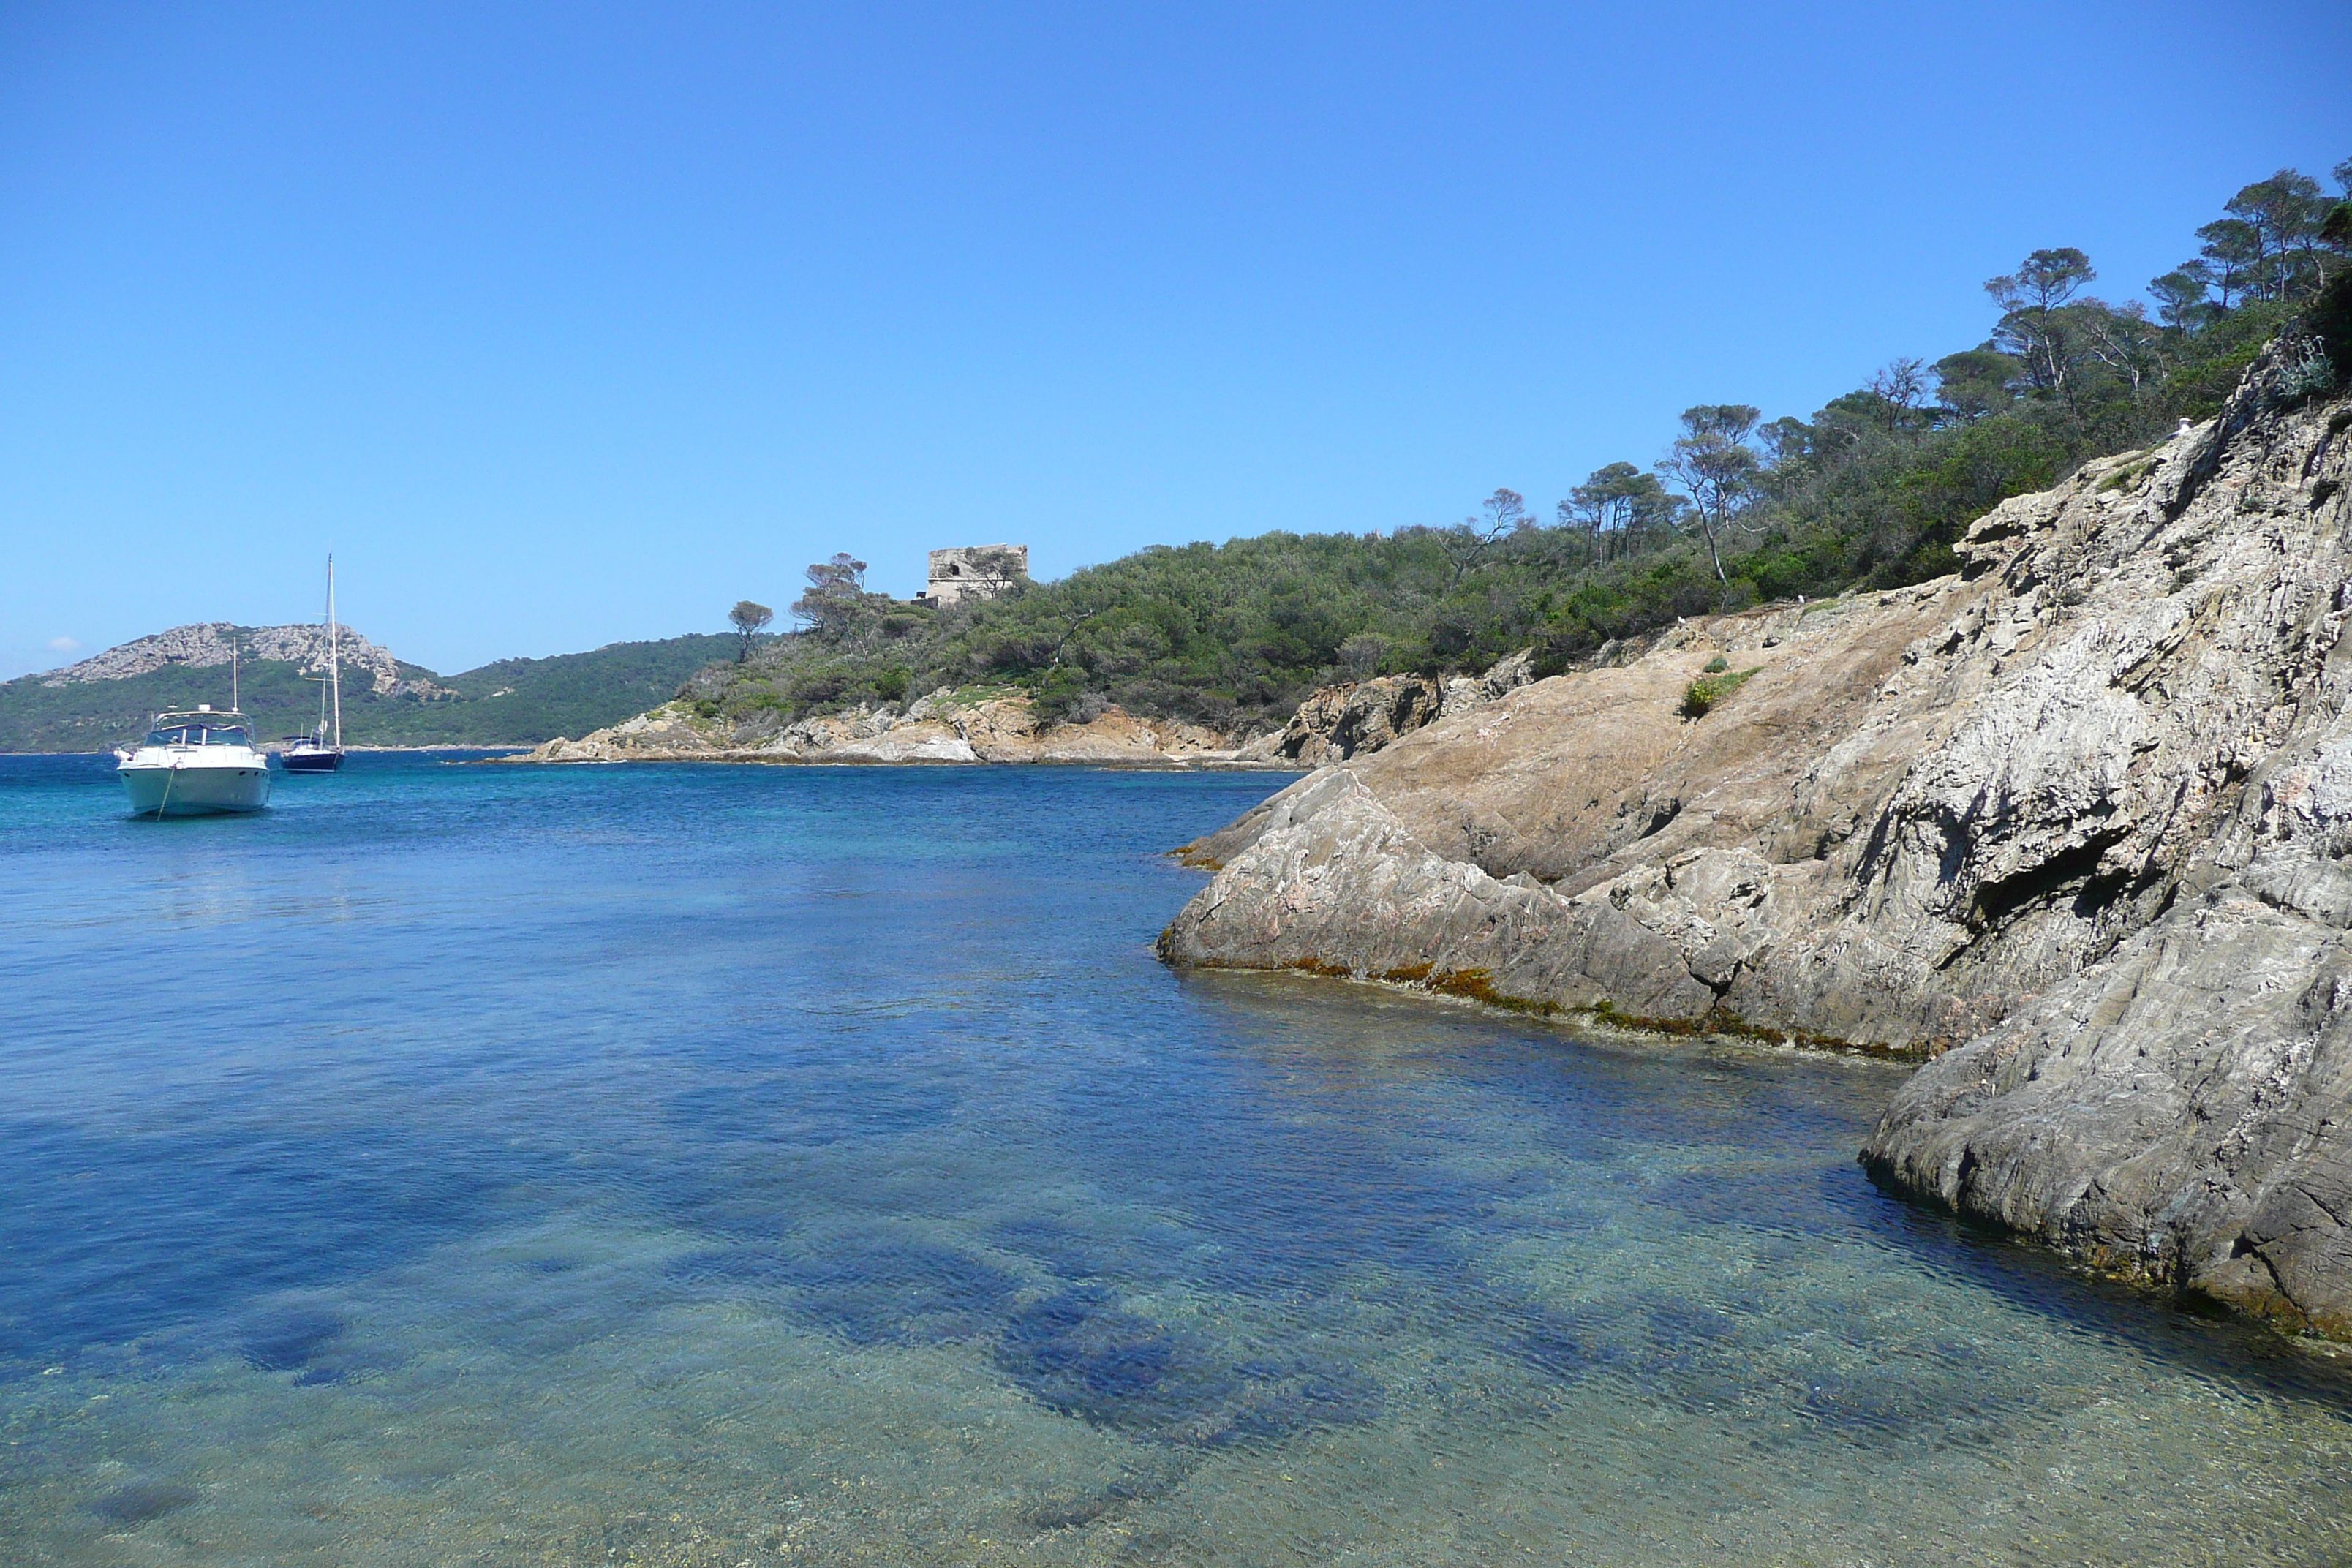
[{"x": 1870, "y": 490}]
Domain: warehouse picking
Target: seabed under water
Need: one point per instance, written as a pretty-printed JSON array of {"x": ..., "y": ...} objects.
[{"x": 710, "y": 1166}]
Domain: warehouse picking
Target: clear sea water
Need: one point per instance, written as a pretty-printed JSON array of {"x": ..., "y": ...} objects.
[{"x": 700, "y": 1165}]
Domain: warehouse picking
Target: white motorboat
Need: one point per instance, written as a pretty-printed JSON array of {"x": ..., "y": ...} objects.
[{"x": 194, "y": 764}]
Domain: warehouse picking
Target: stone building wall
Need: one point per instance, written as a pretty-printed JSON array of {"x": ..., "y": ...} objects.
[{"x": 975, "y": 572}]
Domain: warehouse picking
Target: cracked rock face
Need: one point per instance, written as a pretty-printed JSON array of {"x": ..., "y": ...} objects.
[
  {"x": 1340, "y": 721},
  {"x": 2075, "y": 824}
]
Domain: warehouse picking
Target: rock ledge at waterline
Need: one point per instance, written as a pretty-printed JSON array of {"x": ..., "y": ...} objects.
[{"x": 2075, "y": 824}]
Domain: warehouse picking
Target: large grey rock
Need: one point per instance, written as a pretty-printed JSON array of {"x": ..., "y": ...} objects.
[{"x": 2082, "y": 813}]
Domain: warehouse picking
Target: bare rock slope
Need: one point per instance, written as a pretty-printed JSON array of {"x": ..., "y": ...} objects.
[{"x": 2075, "y": 824}]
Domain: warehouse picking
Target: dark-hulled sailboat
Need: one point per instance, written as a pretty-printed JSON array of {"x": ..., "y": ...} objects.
[{"x": 322, "y": 750}]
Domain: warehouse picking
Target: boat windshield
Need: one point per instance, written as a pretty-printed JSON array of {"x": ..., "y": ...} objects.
[{"x": 200, "y": 736}]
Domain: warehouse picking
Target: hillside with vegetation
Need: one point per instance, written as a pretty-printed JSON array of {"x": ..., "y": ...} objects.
[
  {"x": 513, "y": 702},
  {"x": 516, "y": 701},
  {"x": 1870, "y": 490}
]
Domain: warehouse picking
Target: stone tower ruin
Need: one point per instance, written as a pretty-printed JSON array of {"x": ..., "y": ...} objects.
[{"x": 975, "y": 572}]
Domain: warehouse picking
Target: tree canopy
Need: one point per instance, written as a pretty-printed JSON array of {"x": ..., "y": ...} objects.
[
  {"x": 748, "y": 619},
  {"x": 1873, "y": 490}
]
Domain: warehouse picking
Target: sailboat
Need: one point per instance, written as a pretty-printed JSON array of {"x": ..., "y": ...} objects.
[
  {"x": 195, "y": 761},
  {"x": 321, "y": 752}
]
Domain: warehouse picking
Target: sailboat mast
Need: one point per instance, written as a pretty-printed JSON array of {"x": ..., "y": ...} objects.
[
  {"x": 334, "y": 653},
  {"x": 232, "y": 672}
]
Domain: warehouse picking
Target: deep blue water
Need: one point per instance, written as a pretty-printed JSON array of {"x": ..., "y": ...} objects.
[{"x": 709, "y": 1164}]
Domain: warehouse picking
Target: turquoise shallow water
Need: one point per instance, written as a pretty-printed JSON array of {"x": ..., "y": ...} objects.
[{"x": 490, "y": 1165}]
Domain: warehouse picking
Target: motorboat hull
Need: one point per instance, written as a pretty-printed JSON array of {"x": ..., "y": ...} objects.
[
  {"x": 325, "y": 760},
  {"x": 196, "y": 789}
]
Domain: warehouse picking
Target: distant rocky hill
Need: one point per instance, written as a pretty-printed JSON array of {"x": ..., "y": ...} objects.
[
  {"x": 108, "y": 699},
  {"x": 367, "y": 667}
]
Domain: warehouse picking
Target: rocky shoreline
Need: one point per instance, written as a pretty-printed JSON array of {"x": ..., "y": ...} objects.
[
  {"x": 942, "y": 729},
  {"x": 2073, "y": 825},
  {"x": 2070, "y": 827},
  {"x": 999, "y": 725}
]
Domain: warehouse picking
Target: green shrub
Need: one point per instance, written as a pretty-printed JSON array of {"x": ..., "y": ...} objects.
[
  {"x": 1717, "y": 664},
  {"x": 1059, "y": 693},
  {"x": 1700, "y": 696}
]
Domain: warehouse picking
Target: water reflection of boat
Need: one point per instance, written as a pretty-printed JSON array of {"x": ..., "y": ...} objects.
[
  {"x": 316, "y": 752},
  {"x": 195, "y": 762}
]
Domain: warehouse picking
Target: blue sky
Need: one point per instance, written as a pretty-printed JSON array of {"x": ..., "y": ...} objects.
[{"x": 570, "y": 323}]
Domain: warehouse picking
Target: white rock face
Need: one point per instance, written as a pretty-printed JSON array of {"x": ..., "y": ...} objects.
[{"x": 2079, "y": 819}]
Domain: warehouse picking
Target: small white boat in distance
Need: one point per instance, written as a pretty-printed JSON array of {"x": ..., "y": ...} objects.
[{"x": 194, "y": 764}]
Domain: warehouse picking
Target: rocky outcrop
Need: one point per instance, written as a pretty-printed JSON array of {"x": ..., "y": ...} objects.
[
  {"x": 1655, "y": 839},
  {"x": 208, "y": 644},
  {"x": 986, "y": 727},
  {"x": 1338, "y": 722},
  {"x": 2076, "y": 823},
  {"x": 1359, "y": 717},
  {"x": 1464, "y": 692}
]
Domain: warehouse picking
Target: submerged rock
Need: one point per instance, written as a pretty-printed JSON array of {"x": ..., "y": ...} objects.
[
  {"x": 142, "y": 1502},
  {"x": 2078, "y": 817}
]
